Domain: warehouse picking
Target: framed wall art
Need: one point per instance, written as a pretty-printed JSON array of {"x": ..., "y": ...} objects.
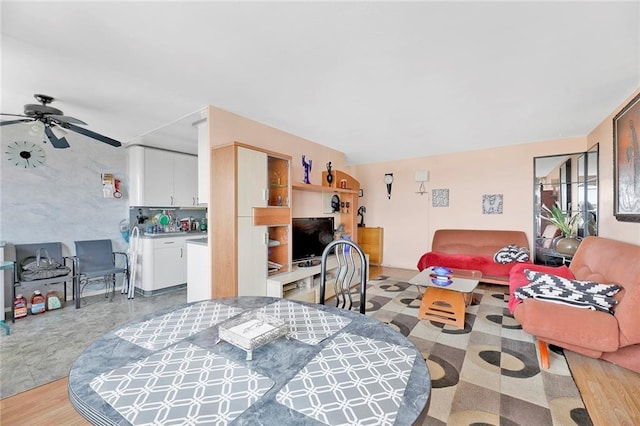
[
  {"x": 492, "y": 204},
  {"x": 440, "y": 198},
  {"x": 626, "y": 162}
]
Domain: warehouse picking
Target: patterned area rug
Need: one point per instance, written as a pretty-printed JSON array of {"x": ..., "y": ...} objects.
[{"x": 487, "y": 373}]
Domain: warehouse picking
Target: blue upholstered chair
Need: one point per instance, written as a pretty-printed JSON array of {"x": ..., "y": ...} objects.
[{"x": 95, "y": 260}]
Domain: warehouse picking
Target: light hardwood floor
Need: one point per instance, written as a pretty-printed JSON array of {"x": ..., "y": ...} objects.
[
  {"x": 610, "y": 393},
  {"x": 45, "y": 405}
]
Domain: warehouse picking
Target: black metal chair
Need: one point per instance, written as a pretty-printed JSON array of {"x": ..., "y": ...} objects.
[
  {"x": 345, "y": 273},
  {"x": 54, "y": 250},
  {"x": 95, "y": 260}
]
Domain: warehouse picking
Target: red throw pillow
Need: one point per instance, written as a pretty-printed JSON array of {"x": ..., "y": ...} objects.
[{"x": 517, "y": 278}]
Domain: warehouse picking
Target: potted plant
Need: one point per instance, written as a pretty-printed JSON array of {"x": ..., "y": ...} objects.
[{"x": 567, "y": 224}]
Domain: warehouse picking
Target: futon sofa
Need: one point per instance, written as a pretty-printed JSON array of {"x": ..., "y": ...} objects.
[
  {"x": 474, "y": 249},
  {"x": 610, "y": 335}
]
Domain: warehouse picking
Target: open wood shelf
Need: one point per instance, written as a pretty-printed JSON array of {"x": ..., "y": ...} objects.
[{"x": 299, "y": 186}]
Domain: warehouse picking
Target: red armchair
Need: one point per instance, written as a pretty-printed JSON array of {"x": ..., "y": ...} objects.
[{"x": 615, "y": 336}]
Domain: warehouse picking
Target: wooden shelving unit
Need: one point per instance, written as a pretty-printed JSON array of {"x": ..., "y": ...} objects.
[
  {"x": 348, "y": 216},
  {"x": 299, "y": 186},
  {"x": 250, "y": 218},
  {"x": 251, "y": 222}
]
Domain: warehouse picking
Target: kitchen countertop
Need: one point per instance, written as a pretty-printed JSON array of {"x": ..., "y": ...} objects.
[
  {"x": 199, "y": 241},
  {"x": 173, "y": 234}
]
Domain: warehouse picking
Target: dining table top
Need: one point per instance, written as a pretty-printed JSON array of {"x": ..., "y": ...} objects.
[{"x": 333, "y": 366}]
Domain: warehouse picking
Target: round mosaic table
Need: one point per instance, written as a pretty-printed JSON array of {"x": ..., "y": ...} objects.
[{"x": 333, "y": 367}]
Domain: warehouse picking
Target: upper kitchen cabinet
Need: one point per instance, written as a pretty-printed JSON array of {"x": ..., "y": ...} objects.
[{"x": 161, "y": 178}]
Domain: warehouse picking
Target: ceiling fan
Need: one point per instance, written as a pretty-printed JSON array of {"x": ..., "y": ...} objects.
[{"x": 54, "y": 121}]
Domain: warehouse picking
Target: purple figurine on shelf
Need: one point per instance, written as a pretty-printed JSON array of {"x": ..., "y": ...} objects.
[{"x": 307, "y": 169}]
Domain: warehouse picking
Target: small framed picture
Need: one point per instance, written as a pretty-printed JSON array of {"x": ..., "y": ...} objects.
[{"x": 360, "y": 192}]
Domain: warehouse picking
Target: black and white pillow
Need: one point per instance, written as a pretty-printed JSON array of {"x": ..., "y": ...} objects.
[
  {"x": 581, "y": 294},
  {"x": 511, "y": 253},
  {"x": 590, "y": 287}
]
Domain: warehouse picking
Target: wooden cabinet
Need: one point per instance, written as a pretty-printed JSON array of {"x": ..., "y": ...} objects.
[
  {"x": 371, "y": 242},
  {"x": 250, "y": 220},
  {"x": 160, "y": 178},
  {"x": 252, "y": 181},
  {"x": 252, "y": 258}
]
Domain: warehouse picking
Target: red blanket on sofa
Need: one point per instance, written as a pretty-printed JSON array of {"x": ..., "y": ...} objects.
[{"x": 484, "y": 264}]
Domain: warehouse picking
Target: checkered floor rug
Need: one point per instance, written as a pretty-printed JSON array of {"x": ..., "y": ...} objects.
[{"x": 488, "y": 372}]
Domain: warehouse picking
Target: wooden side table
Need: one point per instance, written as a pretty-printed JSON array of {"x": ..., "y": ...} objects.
[
  {"x": 446, "y": 304},
  {"x": 371, "y": 239}
]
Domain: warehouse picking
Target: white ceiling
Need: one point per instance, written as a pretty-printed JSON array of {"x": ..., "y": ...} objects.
[{"x": 379, "y": 81}]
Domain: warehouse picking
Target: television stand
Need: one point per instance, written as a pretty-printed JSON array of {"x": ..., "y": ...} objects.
[
  {"x": 301, "y": 283},
  {"x": 308, "y": 263}
]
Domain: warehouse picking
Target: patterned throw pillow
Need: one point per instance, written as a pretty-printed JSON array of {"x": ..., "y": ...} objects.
[
  {"x": 511, "y": 253},
  {"x": 583, "y": 286},
  {"x": 581, "y": 294}
]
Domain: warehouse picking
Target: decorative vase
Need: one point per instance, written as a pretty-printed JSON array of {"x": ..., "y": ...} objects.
[
  {"x": 329, "y": 175},
  {"x": 567, "y": 245}
]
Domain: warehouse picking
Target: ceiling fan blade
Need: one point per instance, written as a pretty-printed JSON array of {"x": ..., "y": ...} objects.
[
  {"x": 91, "y": 134},
  {"x": 15, "y": 115},
  {"x": 67, "y": 119},
  {"x": 4, "y": 123},
  {"x": 57, "y": 143}
]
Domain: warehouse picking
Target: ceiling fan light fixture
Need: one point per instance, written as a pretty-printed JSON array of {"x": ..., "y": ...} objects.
[{"x": 36, "y": 128}]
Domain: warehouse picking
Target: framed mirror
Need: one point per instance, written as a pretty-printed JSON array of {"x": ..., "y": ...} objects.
[{"x": 565, "y": 187}]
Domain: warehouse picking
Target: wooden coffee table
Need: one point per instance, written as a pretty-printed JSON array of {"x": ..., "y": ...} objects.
[{"x": 446, "y": 304}]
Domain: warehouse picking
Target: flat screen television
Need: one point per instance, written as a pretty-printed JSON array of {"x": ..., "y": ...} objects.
[{"x": 310, "y": 237}]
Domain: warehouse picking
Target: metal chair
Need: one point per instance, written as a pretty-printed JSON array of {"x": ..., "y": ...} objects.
[
  {"x": 344, "y": 274},
  {"x": 95, "y": 260},
  {"x": 54, "y": 249}
]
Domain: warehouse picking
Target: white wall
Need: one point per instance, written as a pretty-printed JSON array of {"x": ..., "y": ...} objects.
[
  {"x": 62, "y": 199},
  {"x": 409, "y": 219}
]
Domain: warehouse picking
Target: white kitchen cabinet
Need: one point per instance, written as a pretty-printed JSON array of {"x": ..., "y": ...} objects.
[
  {"x": 163, "y": 263},
  {"x": 198, "y": 277},
  {"x": 160, "y": 178},
  {"x": 185, "y": 180}
]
